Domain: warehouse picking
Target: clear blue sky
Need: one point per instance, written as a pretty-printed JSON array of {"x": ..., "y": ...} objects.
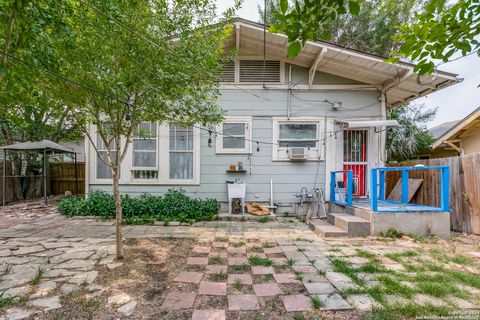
[{"x": 453, "y": 103}]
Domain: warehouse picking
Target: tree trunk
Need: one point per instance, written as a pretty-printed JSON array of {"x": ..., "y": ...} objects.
[{"x": 118, "y": 213}]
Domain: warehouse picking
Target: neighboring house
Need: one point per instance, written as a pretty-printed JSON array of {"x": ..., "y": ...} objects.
[
  {"x": 456, "y": 138},
  {"x": 321, "y": 111}
]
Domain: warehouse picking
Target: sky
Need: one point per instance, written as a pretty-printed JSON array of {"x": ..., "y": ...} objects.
[{"x": 454, "y": 102}]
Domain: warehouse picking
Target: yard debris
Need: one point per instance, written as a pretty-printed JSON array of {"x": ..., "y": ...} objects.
[{"x": 257, "y": 209}]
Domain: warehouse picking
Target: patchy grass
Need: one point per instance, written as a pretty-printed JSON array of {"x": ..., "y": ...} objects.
[
  {"x": 268, "y": 245},
  {"x": 237, "y": 284},
  {"x": 268, "y": 277},
  {"x": 397, "y": 256},
  {"x": 240, "y": 267},
  {"x": 38, "y": 275},
  {"x": 257, "y": 261},
  {"x": 365, "y": 254},
  {"x": 5, "y": 301},
  {"x": 303, "y": 239},
  {"x": 317, "y": 303},
  {"x": 463, "y": 260},
  {"x": 423, "y": 239},
  {"x": 220, "y": 276},
  {"x": 263, "y": 219},
  {"x": 291, "y": 262},
  {"x": 221, "y": 239},
  {"x": 322, "y": 272},
  {"x": 345, "y": 267},
  {"x": 216, "y": 260},
  {"x": 239, "y": 244}
]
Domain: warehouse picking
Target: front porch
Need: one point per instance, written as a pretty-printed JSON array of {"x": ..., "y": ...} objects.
[{"x": 378, "y": 213}]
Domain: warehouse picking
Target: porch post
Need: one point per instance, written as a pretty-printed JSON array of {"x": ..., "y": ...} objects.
[
  {"x": 373, "y": 190},
  {"x": 349, "y": 187},
  {"x": 381, "y": 195},
  {"x": 404, "y": 186},
  {"x": 445, "y": 190}
]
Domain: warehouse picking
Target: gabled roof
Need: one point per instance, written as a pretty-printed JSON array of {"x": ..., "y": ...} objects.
[
  {"x": 397, "y": 80},
  {"x": 440, "y": 129},
  {"x": 454, "y": 132}
]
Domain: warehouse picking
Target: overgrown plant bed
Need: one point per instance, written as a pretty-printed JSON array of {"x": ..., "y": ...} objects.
[{"x": 175, "y": 205}]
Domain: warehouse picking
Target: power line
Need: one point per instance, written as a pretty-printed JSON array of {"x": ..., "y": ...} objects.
[{"x": 64, "y": 78}]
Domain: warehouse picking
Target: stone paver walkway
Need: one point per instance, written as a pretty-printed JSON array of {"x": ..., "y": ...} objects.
[{"x": 44, "y": 255}]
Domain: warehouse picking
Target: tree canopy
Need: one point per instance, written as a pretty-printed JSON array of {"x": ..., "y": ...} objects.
[
  {"x": 412, "y": 136},
  {"x": 371, "y": 30},
  {"x": 438, "y": 32}
]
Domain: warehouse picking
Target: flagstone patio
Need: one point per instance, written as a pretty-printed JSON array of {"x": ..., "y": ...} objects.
[{"x": 221, "y": 270}]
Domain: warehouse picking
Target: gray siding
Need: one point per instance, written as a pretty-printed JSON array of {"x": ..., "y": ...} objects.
[{"x": 262, "y": 105}]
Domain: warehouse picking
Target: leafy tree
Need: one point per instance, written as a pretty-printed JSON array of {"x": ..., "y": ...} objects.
[
  {"x": 115, "y": 64},
  {"x": 439, "y": 32},
  {"x": 30, "y": 108},
  {"x": 305, "y": 20},
  {"x": 151, "y": 61},
  {"x": 412, "y": 136},
  {"x": 370, "y": 31}
]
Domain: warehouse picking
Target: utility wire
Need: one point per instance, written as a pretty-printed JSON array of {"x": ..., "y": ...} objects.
[{"x": 100, "y": 92}]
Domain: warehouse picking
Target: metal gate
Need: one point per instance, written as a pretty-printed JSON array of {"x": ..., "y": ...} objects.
[{"x": 355, "y": 159}]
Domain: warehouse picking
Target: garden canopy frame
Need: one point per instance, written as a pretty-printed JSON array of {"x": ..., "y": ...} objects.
[{"x": 43, "y": 147}]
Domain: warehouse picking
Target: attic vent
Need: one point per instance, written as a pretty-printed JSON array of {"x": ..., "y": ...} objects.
[
  {"x": 252, "y": 71},
  {"x": 228, "y": 72}
]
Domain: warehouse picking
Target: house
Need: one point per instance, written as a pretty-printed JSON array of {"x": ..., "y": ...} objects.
[
  {"x": 324, "y": 110},
  {"x": 456, "y": 138}
]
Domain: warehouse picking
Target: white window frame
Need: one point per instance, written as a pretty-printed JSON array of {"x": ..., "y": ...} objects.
[
  {"x": 248, "y": 136},
  {"x": 126, "y": 176},
  {"x": 313, "y": 154},
  {"x": 154, "y": 168},
  {"x": 94, "y": 133}
]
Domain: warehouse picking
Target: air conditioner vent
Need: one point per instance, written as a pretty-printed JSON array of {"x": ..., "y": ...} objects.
[
  {"x": 252, "y": 71},
  {"x": 297, "y": 154}
]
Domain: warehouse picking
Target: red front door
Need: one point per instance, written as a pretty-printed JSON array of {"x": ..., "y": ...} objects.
[{"x": 355, "y": 159}]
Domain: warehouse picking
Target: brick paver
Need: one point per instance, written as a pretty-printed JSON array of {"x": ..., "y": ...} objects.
[
  {"x": 237, "y": 261},
  {"x": 243, "y": 302},
  {"x": 243, "y": 278},
  {"x": 285, "y": 278},
  {"x": 262, "y": 270},
  {"x": 208, "y": 315},
  {"x": 197, "y": 261},
  {"x": 212, "y": 288},
  {"x": 297, "y": 303},
  {"x": 178, "y": 300},
  {"x": 189, "y": 277},
  {"x": 266, "y": 289},
  {"x": 215, "y": 269}
]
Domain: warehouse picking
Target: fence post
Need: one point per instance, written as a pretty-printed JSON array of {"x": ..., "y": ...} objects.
[
  {"x": 349, "y": 187},
  {"x": 404, "y": 186},
  {"x": 373, "y": 189},
  {"x": 445, "y": 190}
]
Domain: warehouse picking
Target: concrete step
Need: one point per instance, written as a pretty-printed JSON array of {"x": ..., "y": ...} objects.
[
  {"x": 353, "y": 225},
  {"x": 326, "y": 230}
]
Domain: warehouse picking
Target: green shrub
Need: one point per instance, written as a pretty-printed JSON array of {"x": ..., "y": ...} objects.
[
  {"x": 174, "y": 205},
  {"x": 392, "y": 233},
  {"x": 73, "y": 206},
  {"x": 101, "y": 204}
]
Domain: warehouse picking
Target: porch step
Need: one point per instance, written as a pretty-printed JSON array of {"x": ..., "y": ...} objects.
[
  {"x": 353, "y": 225},
  {"x": 325, "y": 229}
]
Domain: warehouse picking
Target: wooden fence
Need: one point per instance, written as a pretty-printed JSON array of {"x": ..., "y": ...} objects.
[
  {"x": 464, "y": 188},
  {"x": 60, "y": 178}
]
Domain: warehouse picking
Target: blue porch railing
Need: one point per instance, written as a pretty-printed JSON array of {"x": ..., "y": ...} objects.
[
  {"x": 338, "y": 191},
  {"x": 377, "y": 188}
]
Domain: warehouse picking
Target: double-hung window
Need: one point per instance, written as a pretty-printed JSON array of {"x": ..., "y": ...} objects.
[
  {"x": 104, "y": 171},
  {"x": 234, "y": 135},
  {"x": 181, "y": 149},
  {"x": 145, "y": 151},
  {"x": 303, "y": 133}
]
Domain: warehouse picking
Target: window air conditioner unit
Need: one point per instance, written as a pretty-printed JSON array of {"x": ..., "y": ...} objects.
[{"x": 297, "y": 154}]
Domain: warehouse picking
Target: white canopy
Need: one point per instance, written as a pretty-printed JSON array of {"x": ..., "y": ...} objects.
[
  {"x": 38, "y": 145},
  {"x": 368, "y": 123}
]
